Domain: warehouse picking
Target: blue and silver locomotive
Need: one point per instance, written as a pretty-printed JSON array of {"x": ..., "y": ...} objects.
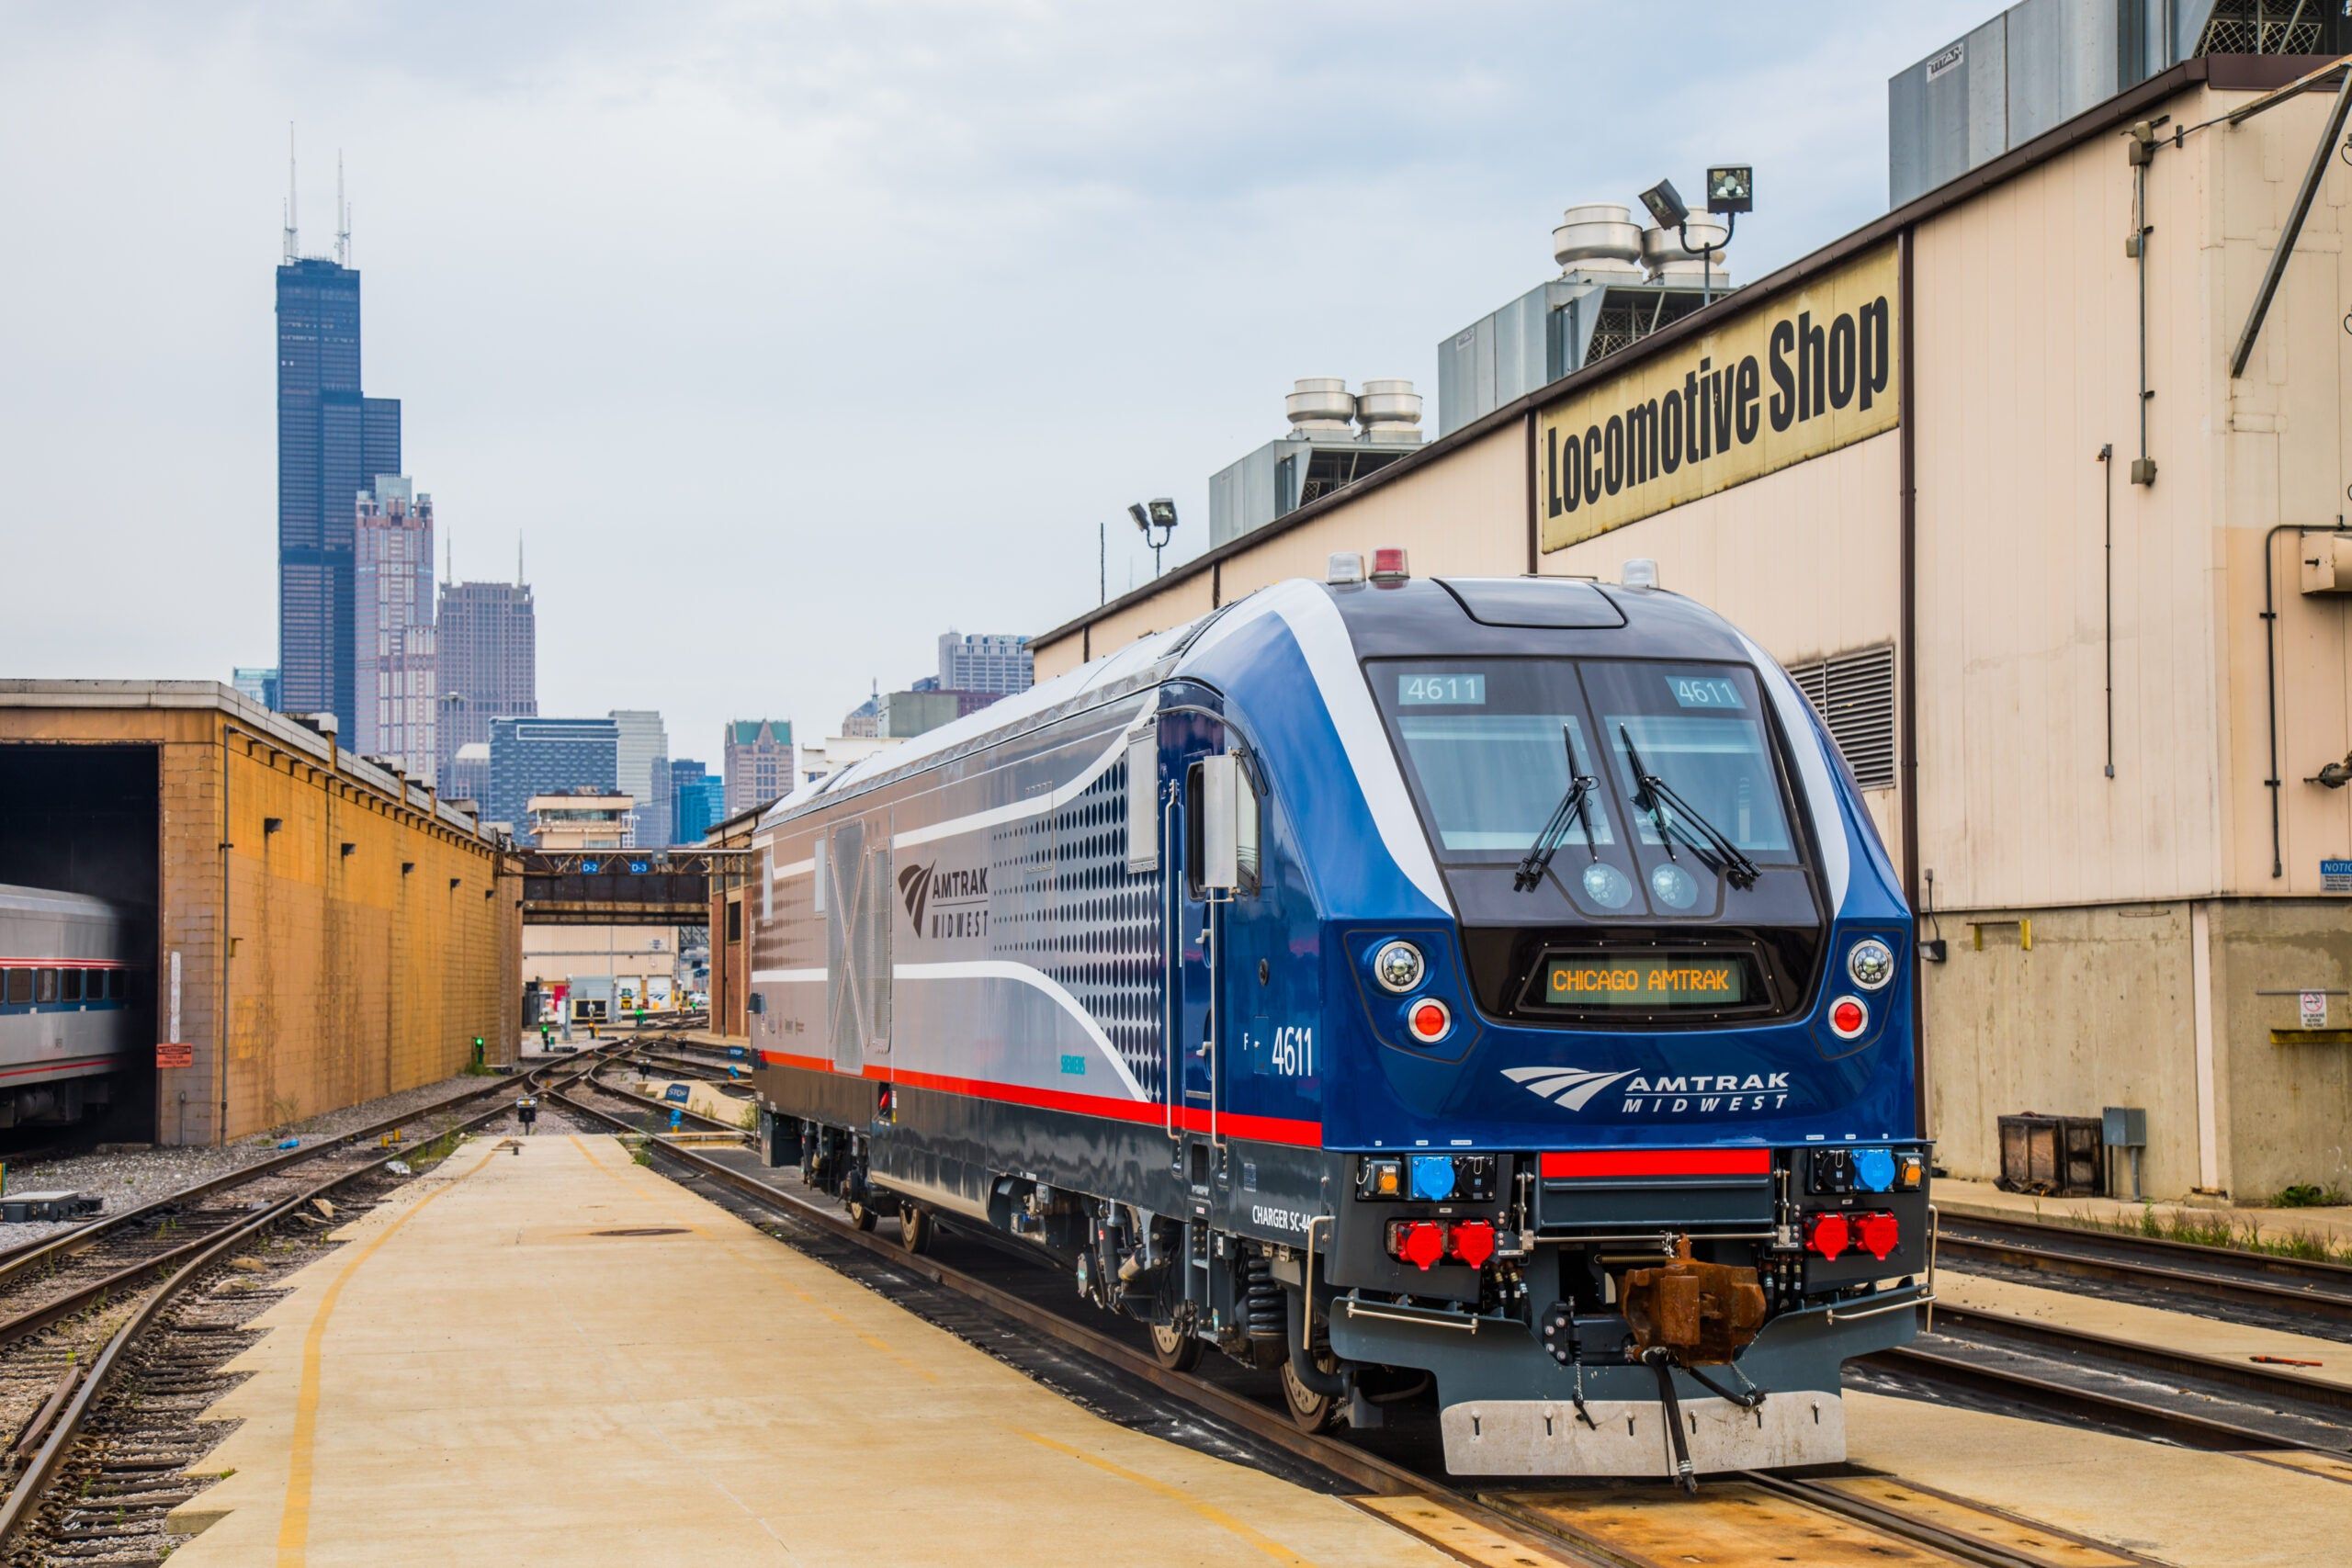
[
  {"x": 1484, "y": 990},
  {"x": 67, "y": 967}
]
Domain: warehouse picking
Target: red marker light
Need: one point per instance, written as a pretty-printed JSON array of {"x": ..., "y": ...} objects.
[
  {"x": 1877, "y": 1235},
  {"x": 1829, "y": 1237},
  {"x": 1417, "y": 1242},
  {"x": 1388, "y": 566},
  {"x": 1428, "y": 1020},
  {"x": 1474, "y": 1242},
  {"x": 1848, "y": 1017}
]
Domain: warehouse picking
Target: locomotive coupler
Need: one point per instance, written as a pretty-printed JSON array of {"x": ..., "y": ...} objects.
[{"x": 1695, "y": 1313}]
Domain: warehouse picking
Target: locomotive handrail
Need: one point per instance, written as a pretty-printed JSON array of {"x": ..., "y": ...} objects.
[{"x": 1922, "y": 1298}]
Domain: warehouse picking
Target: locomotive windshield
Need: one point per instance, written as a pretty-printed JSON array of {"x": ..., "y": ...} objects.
[{"x": 1487, "y": 745}]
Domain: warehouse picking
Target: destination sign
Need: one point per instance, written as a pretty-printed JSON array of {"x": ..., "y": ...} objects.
[
  {"x": 1649, "y": 983},
  {"x": 1799, "y": 374}
]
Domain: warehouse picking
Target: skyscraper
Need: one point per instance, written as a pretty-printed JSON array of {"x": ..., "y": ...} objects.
[
  {"x": 392, "y": 628},
  {"x": 257, "y": 683},
  {"x": 486, "y": 640},
  {"x": 332, "y": 442},
  {"x": 697, "y": 800},
  {"x": 548, "y": 756},
  {"x": 997, "y": 661},
  {"x": 644, "y": 769},
  {"x": 758, "y": 763}
]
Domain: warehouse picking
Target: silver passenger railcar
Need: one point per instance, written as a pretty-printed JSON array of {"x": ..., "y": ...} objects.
[{"x": 69, "y": 968}]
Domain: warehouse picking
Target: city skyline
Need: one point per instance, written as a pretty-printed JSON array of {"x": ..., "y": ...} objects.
[{"x": 556, "y": 382}]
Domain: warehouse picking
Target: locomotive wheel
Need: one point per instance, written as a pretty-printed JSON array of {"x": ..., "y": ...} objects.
[
  {"x": 862, "y": 1216},
  {"x": 1310, "y": 1411},
  {"x": 917, "y": 1229},
  {"x": 1174, "y": 1348}
]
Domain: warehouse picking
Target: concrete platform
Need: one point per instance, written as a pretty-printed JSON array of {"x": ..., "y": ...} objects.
[
  {"x": 2175, "y": 1505},
  {"x": 543, "y": 1352},
  {"x": 1959, "y": 1198}
]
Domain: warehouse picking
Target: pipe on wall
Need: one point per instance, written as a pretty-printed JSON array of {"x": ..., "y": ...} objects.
[{"x": 1907, "y": 635}]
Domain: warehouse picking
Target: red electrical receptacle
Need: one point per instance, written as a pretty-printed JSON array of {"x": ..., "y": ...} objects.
[
  {"x": 1830, "y": 1235},
  {"x": 1474, "y": 1242},
  {"x": 1421, "y": 1242},
  {"x": 1878, "y": 1234}
]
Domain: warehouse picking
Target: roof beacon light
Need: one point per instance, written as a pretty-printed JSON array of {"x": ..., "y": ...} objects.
[
  {"x": 1388, "y": 566},
  {"x": 1640, "y": 573},
  {"x": 1345, "y": 570}
]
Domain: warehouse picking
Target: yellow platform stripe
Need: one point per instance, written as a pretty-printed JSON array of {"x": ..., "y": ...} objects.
[{"x": 294, "y": 1523}]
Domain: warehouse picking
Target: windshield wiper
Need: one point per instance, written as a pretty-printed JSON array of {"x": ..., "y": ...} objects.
[
  {"x": 1573, "y": 807},
  {"x": 1670, "y": 811}
]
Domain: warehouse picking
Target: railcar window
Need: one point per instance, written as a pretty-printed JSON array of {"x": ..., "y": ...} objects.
[
  {"x": 71, "y": 981},
  {"x": 1491, "y": 779},
  {"x": 117, "y": 984},
  {"x": 93, "y": 985},
  {"x": 45, "y": 986},
  {"x": 20, "y": 986},
  {"x": 1248, "y": 832}
]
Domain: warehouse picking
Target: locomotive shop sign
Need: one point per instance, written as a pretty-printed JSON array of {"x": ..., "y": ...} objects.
[{"x": 1804, "y": 373}]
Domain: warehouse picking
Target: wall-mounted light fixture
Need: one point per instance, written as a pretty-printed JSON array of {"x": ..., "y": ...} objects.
[
  {"x": 407, "y": 867},
  {"x": 349, "y": 849},
  {"x": 271, "y": 824}
]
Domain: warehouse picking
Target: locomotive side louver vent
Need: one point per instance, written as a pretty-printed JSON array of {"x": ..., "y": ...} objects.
[{"x": 1854, "y": 694}]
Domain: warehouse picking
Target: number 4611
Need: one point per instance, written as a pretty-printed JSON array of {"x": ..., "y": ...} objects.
[{"x": 1294, "y": 1051}]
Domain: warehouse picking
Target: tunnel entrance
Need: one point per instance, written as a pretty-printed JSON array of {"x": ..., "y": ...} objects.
[{"x": 79, "y": 819}]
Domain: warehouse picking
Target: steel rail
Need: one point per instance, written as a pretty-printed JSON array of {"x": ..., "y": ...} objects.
[
  {"x": 27, "y": 1255},
  {"x": 42, "y": 1469},
  {"x": 2170, "y": 1424},
  {"x": 1359, "y": 1468},
  {"x": 2091, "y": 1346},
  {"x": 2302, "y": 1283},
  {"x": 651, "y": 1103}
]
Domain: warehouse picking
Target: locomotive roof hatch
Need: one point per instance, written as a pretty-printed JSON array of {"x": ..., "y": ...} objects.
[{"x": 1534, "y": 604}]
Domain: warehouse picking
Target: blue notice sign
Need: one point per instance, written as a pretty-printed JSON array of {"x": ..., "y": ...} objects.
[
  {"x": 638, "y": 867},
  {"x": 2335, "y": 876},
  {"x": 736, "y": 1052},
  {"x": 677, "y": 1094},
  {"x": 590, "y": 867}
]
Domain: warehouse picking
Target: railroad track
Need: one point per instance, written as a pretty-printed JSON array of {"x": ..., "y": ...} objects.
[
  {"x": 2184, "y": 1272},
  {"x": 74, "y": 1319},
  {"x": 1898, "y": 1524},
  {"x": 2149, "y": 1391},
  {"x": 709, "y": 1072}
]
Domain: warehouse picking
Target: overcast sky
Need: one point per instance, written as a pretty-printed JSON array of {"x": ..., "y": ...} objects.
[{"x": 787, "y": 335}]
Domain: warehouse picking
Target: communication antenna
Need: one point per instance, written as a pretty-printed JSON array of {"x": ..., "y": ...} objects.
[
  {"x": 449, "y": 559},
  {"x": 290, "y": 225},
  {"x": 519, "y": 558},
  {"x": 342, "y": 216}
]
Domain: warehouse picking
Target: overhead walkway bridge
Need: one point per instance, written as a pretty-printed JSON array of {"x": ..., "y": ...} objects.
[{"x": 626, "y": 887}]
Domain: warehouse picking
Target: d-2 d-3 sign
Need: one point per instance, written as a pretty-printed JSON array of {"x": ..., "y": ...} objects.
[{"x": 1803, "y": 373}]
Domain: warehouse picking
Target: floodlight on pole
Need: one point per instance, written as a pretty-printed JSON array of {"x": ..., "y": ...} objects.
[
  {"x": 1155, "y": 520},
  {"x": 1731, "y": 190}
]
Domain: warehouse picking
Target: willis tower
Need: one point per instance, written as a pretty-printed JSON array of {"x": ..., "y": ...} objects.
[{"x": 332, "y": 443}]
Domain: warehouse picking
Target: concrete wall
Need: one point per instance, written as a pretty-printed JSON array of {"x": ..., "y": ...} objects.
[
  {"x": 310, "y": 979},
  {"x": 2283, "y": 1112}
]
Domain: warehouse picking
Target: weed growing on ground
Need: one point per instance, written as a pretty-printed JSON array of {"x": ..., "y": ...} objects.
[
  {"x": 433, "y": 1152},
  {"x": 2199, "y": 1229},
  {"x": 642, "y": 1154},
  {"x": 2309, "y": 1195}
]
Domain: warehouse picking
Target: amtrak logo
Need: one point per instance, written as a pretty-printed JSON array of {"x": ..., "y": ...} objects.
[
  {"x": 914, "y": 888},
  {"x": 1573, "y": 1088},
  {"x": 956, "y": 901}
]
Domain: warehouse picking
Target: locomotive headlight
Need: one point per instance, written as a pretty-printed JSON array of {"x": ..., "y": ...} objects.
[
  {"x": 1398, "y": 967},
  {"x": 1871, "y": 963}
]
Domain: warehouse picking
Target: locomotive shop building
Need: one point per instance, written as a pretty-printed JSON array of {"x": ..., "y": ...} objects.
[
  {"x": 2070, "y": 589},
  {"x": 323, "y": 931}
]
